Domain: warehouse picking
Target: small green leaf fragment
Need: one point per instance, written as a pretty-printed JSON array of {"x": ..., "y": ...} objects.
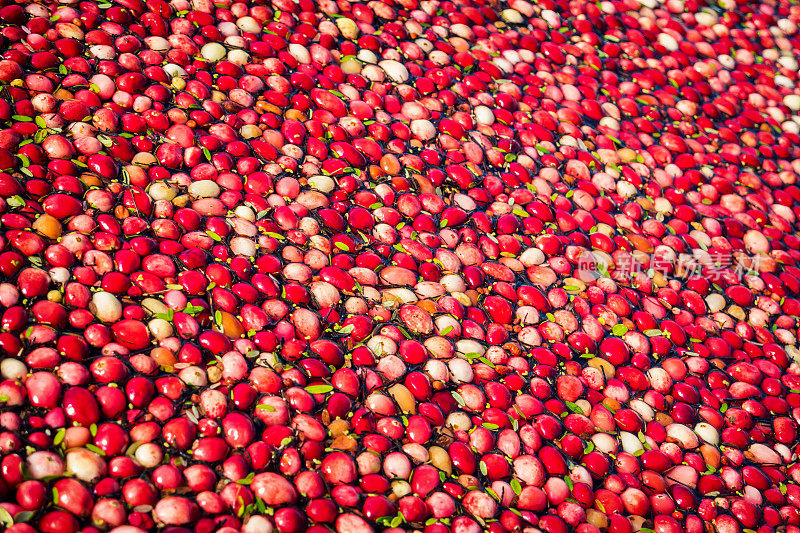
[
  {"x": 59, "y": 437},
  {"x": 319, "y": 389},
  {"x": 619, "y": 330},
  {"x": 574, "y": 407},
  {"x": 95, "y": 449},
  {"x": 458, "y": 398},
  {"x": 247, "y": 480},
  {"x": 6, "y": 518}
]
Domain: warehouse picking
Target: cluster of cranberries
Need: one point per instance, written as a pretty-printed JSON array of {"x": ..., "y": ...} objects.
[{"x": 399, "y": 265}]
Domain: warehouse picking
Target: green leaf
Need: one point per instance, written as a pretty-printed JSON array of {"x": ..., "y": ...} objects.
[
  {"x": 207, "y": 153},
  {"x": 105, "y": 140},
  {"x": 490, "y": 426},
  {"x": 589, "y": 447},
  {"x": 55, "y": 495},
  {"x": 247, "y": 480},
  {"x": 265, "y": 407},
  {"x": 21, "y": 118},
  {"x": 132, "y": 448},
  {"x": 619, "y": 330},
  {"x": 515, "y": 486},
  {"x": 319, "y": 389},
  {"x": 654, "y": 333},
  {"x": 275, "y": 235},
  {"x": 600, "y": 506},
  {"x": 458, "y": 398},
  {"x": 95, "y": 449},
  {"x": 4, "y": 398},
  {"x": 542, "y": 149},
  {"x": 571, "y": 288},
  {"x": 397, "y": 520},
  {"x": 6, "y": 518},
  {"x": 446, "y": 330},
  {"x": 59, "y": 438},
  {"x": 486, "y": 361},
  {"x": 218, "y": 316},
  {"x": 192, "y": 309},
  {"x": 93, "y": 430},
  {"x": 40, "y": 122},
  {"x": 168, "y": 316},
  {"x": 521, "y": 213},
  {"x": 347, "y": 330},
  {"x": 484, "y": 468},
  {"x": 213, "y": 235},
  {"x": 342, "y": 246},
  {"x": 574, "y": 407},
  {"x": 569, "y": 483},
  {"x": 94, "y": 88}
]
